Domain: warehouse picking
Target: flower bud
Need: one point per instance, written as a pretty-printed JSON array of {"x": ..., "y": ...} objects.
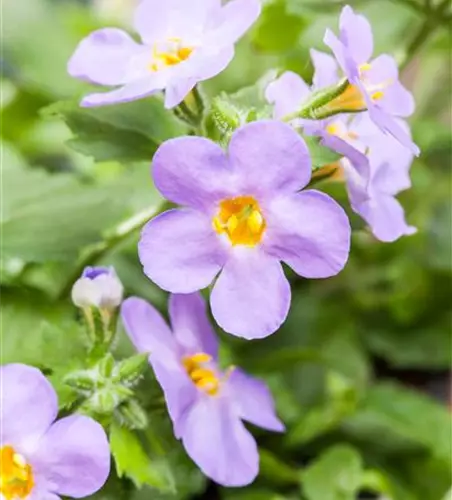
[{"x": 98, "y": 287}]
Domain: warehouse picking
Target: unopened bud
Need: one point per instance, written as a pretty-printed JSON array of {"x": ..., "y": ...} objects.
[
  {"x": 82, "y": 381},
  {"x": 98, "y": 287}
]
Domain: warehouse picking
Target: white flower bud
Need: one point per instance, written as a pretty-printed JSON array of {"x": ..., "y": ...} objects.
[{"x": 98, "y": 287}]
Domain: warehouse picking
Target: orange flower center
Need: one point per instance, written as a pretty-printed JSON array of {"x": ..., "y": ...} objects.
[
  {"x": 16, "y": 476},
  {"x": 241, "y": 220},
  {"x": 172, "y": 53},
  {"x": 352, "y": 99},
  {"x": 202, "y": 376}
]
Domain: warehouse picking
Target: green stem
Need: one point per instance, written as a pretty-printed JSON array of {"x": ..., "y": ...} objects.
[
  {"x": 95, "y": 252},
  {"x": 199, "y": 100}
]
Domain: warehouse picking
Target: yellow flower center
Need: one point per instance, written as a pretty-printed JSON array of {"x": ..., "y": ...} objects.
[
  {"x": 203, "y": 377},
  {"x": 16, "y": 476},
  {"x": 241, "y": 220},
  {"x": 340, "y": 130},
  {"x": 352, "y": 99},
  {"x": 173, "y": 53}
]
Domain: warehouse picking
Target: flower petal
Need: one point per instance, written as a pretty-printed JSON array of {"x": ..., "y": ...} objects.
[
  {"x": 180, "y": 393},
  {"x": 251, "y": 297},
  {"x": 397, "y": 100},
  {"x": 147, "y": 329},
  {"x": 29, "y": 405},
  {"x": 104, "y": 57},
  {"x": 180, "y": 251},
  {"x": 341, "y": 54},
  {"x": 191, "y": 325},
  {"x": 326, "y": 69},
  {"x": 386, "y": 218},
  {"x": 310, "y": 232},
  {"x": 130, "y": 92},
  {"x": 176, "y": 92},
  {"x": 287, "y": 93},
  {"x": 254, "y": 401},
  {"x": 156, "y": 20},
  {"x": 390, "y": 125},
  {"x": 356, "y": 34},
  {"x": 217, "y": 441},
  {"x": 270, "y": 156},
  {"x": 232, "y": 21},
  {"x": 192, "y": 171},
  {"x": 73, "y": 456}
]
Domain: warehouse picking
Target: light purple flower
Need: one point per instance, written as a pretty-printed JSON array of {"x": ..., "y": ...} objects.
[
  {"x": 43, "y": 459},
  {"x": 288, "y": 93},
  {"x": 206, "y": 405},
  {"x": 242, "y": 214},
  {"x": 374, "y": 84},
  {"x": 183, "y": 43},
  {"x": 98, "y": 287},
  {"x": 374, "y": 198}
]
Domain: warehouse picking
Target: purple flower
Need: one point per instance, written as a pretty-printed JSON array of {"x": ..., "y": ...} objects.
[
  {"x": 242, "y": 215},
  {"x": 98, "y": 287},
  {"x": 373, "y": 198},
  {"x": 183, "y": 43},
  {"x": 206, "y": 405},
  {"x": 41, "y": 459},
  {"x": 288, "y": 93},
  {"x": 374, "y": 84}
]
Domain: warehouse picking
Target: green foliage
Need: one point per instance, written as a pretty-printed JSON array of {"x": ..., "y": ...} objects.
[
  {"x": 387, "y": 315},
  {"x": 277, "y": 29},
  {"x": 126, "y": 133},
  {"x": 335, "y": 475}
]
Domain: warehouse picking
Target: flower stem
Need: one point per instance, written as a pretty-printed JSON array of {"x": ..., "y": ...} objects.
[{"x": 112, "y": 239}]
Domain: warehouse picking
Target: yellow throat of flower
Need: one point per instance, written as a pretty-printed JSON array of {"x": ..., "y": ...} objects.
[
  {"x": 241, "y": 220},
  {"x": 16, "y": 476},
  {"x": 174, "y": 53},
  {"x": 352, "y": 99},
  {"x": 203, "y": 377}
]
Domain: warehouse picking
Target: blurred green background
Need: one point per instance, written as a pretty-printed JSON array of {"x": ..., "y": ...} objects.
[{"x": 360, "y": 369}]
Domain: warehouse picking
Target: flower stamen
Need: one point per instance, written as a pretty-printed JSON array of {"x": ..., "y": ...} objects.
[
  {"x": 241, "y": 220},
  {"x": 16, "y": 475},
  {"x": 173, "y": 53}
]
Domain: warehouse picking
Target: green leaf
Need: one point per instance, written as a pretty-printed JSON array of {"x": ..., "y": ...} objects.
[
  {"x": 132, "y": 460},
  {"x": 335, "y": 475},
  {"x": 125, "y": 132},
  {"x": 277, "y": 30},
  {"x": 276, "y": 470},
  {"x": 393, "y": 416},
  {"x": 53, "y": 217}
]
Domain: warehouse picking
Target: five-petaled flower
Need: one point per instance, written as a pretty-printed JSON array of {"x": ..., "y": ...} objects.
[
  {"x": 41, "y": 459},
  {"x": 206, "y": 405},
  {"x": 98, "y": 287},
  {"x": 243, "y": 214},
  {"x": 374, "y": 85},
  {"x": 184, "y": 42}
]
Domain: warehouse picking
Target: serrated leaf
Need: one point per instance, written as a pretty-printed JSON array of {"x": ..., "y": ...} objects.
[
  {"x": 133, "y": 462},
  {"x": 126, "y": 132},
  {"x": 335, "y": 475}
]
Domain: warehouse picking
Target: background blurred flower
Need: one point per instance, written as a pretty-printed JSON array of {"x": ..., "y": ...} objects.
[
  {"x": 206, "y": 405},
  {"x": 41, "y": 458},
  {"x": 374, "y": 84},
  {"x": 183, "y": 43},
  {"x": 243, "y": 216}
]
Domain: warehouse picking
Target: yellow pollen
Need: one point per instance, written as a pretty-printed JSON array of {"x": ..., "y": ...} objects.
[
  {"x": 16, "y": 476},
  {"x": 365, "y": 67},
  {"x": 173, "y": 54},
  {"x": 376, "y": 96},
  {"x": 340, "y": 130},
  {"x": 241, "y": 220},
  {"x": 203, "y": 377}
]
